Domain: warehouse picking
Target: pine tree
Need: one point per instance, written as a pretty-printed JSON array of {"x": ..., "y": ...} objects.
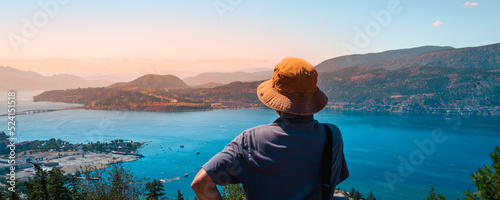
[
  {"x": 37, "y": 187},
  {"x": 9, "y": 195},
  {"x": 370, "y": 196},
  {"x": 487, "y": 179},
  {"x": 351, "y": 194},
  {"x": 155, "y": 190},
  {"x": 74, "y": 186},
  {"x": 432, "y": 194},
  {"x": 179, "y": 195},
  {"x": 435, "y": 196},
  {"x": 13, "y": 196},
  {"x": 56, "y": 188},
  {"x": 356, "y": 195},
  {"x": 123, "y": 184},
  {"x": 115, "y": 182}
]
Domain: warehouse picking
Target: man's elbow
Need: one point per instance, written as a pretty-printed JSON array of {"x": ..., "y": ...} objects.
[
  {"x": 196, "y": 184},
  {"x": 205, "y": 187},
  {"x": 202, "y": 180}
]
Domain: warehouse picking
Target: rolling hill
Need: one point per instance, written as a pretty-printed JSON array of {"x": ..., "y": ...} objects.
[
  {"x": 471, "y": 57},
  {"x": 360, "y": 59},
  {"x": 153, "y": 81},
  {"x": 465, "y": 78},
  {"x": 419, "y": 86},
  {"x": 224, "y": 78},
  {"x": 233, "y": 95}
]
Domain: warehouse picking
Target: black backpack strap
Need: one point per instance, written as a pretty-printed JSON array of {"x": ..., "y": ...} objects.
[{"x": 326, "y": 165}]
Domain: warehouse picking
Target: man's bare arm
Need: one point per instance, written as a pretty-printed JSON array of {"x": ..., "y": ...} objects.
[{"x": 204, "y": 187}]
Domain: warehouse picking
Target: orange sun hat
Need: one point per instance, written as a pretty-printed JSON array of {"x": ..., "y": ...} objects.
[{"x": 293, "y": 88}]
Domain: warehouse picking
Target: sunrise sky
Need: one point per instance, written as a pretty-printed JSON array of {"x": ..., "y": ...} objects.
[{"x": 116, "y": 36}]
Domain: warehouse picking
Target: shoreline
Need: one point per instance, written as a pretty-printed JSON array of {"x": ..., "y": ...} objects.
[
  {"x": 73, "y": 161},
  {"x": 334, "y": 108},
  {"x": 91, "y": 160},
  {"x": 423, "y": 112}
]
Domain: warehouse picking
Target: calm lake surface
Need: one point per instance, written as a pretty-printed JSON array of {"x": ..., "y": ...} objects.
[{"x": 395, "y": 156}]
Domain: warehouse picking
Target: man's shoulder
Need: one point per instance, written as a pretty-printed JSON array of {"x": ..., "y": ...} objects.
[
  {"x": 261, "y": 128},
  {"x": 333, "y": 127},
  {"x": 260, "y": 133},
  {"x": 335, "y": 131}
]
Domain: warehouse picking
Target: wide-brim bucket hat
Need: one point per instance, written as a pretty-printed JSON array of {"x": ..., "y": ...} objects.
[{"x": 293, "y": 88}]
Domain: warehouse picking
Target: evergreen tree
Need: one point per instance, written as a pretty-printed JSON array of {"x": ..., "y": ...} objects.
[
  {"x": 115, "y": 182},
  {"x": 432, "y": 194},
  {"x": 37, "y": 187},
  {"x": 155, "y": 190},
  {"x": 356, "y": 195},
  {"x": 469, "y": 196},
  {"x": 3, "y": 146},
  {"x": 56, "y": 182},
  {"x": 487, "y": 179},
  {"x": 179, "y": 195},
  {"x": 435, "y": 196},
  {"x": 351, "y": 194},
  {"x": 13, "y": 196},
  {"x": 9, "y": 195},
  {"x": 370, "y": 196},
  {"x": 124, "y": 184},
  {"x": 118, "y": 184},
  {"x": 74, "y": 185}
]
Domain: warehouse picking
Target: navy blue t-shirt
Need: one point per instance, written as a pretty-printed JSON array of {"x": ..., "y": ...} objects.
[{"x": 281, "y": 160}]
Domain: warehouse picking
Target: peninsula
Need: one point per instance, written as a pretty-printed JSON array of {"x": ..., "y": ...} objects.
[
  {"x": 418, "y": 80},
  {"x": 68, "y": 157}
]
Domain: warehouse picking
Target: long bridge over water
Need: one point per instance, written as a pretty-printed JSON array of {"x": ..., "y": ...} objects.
[{"x": 25, "y": 112}]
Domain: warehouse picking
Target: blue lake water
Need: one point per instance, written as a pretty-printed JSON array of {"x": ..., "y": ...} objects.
[{"x": 382, "y": 150}]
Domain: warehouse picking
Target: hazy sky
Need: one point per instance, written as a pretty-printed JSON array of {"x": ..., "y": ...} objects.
[{"x": 120, "y": 36}]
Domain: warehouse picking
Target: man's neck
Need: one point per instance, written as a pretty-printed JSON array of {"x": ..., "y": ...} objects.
[{"x": 289, "y": 115}]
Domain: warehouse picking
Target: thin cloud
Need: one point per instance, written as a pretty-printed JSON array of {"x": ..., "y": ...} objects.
[
  {"x": 437, "y": 23},
  {"x": 468, "y": 3}
]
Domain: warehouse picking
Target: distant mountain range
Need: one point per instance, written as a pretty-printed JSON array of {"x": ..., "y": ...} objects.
[
  {"x": 471, "y": 57},
  {"x": 360, "y": 59},
  {"x": 220, "y": 78},
  {"x": 444, "y": 78},
  {"x": 153, "y": 81},
  {"x": 27, "y": 80},
  {"x": 465, "y": 78},
  {"x": 420, "y": 86}
]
